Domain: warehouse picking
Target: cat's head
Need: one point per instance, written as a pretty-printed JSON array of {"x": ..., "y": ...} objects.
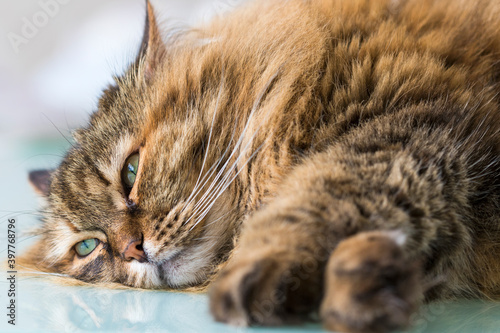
[{"x": 142, "y": 198}]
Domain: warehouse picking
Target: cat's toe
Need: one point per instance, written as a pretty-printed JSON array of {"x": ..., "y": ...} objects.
[
  {"x": 230, "y": 296},
  {"x": 263, "y": 291},
  {"x": 370, "y": 286},
  {"x": 377, "y": 318}
]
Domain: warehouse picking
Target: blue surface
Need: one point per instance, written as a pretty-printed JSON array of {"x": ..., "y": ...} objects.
[{"x": 45, "y": 306}]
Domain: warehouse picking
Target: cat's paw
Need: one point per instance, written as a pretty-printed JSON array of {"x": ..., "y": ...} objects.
[
  {"x": 264, "y": 289},
  {"x": 370, "y": 285}
]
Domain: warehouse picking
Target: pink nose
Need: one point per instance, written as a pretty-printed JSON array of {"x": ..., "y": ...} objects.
[{"x": 135, "y": 251}]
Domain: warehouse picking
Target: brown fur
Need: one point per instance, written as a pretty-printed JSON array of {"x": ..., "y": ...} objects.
[{"x": 370, "y": 124}]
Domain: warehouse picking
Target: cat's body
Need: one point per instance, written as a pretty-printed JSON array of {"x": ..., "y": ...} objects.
[{"x": 285, "y": 129}]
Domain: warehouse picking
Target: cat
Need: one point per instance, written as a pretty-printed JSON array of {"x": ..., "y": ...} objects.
[{"x": 339, "y": 157}]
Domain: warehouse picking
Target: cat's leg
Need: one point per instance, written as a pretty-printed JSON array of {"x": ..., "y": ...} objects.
[
  {"x": 389, "y": 176},
  {"x": 276, "y": 272},
  {"x": 371, "y": 285}
]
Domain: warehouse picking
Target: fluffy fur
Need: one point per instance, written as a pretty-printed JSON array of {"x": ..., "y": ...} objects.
[{"x": 339, "y": 155}]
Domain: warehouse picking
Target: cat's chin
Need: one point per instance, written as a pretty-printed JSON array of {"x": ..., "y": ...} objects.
[
  {"x": 180, "y": 267},
  {"x": 187, "y": 268}
]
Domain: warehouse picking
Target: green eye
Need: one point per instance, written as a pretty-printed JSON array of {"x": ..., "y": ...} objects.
[
  {"x": 129, "y": 171},
  {"x": 86, "y": 247}
]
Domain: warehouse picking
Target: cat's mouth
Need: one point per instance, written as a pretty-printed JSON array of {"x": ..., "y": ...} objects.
[{"x": 168, "y": 264}]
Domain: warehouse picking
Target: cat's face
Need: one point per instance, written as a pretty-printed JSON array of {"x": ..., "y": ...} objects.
[{"x": 140, "y": 199}]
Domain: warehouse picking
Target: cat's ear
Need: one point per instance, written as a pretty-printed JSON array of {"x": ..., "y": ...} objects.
[
  {"x": 153, "y": 48},
  {"x": 40, "y": 180}
]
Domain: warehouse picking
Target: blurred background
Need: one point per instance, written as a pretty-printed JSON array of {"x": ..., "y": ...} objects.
[{"x": 57, "y": 55}]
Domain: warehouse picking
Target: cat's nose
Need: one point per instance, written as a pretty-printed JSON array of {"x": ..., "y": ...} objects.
[{"x": 134, "y": 250}]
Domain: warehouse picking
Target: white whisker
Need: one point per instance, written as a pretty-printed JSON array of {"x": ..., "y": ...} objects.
[
  {"x": 211, "y": 171},
  {"x": 211, "y": 192},
  {"x": 221, "y": 191},
  {"x": 32, "y": 271},
  {"x": 210, "y": 135},
  {"x": 218, "y": 219}
]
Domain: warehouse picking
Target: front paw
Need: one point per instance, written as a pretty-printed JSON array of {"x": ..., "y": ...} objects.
[
  {"x": 267, "y": 288},
  {"x": 370, "y": 285}
]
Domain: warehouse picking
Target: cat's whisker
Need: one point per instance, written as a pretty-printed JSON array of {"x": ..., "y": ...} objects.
[
  {"x": 19, "y": 241},
  {"x": 218, "y": 219},
  {"x": 208, "y": 179},
  {"x": 212, "y": 222},
  {"x": 208, "y": 195},
  {"x": 235, "y": 149},
  {"x": 35, "y": 272},
  {"x": 210, "y": 192},
  {"x": 216, "y": 191},
  {"x": 57, "y": 129},
  {"x": 210, "y": 135},
  {"x": 16, "y": 214},
  {"x": 205, "y": 179},
  {"x": 206, "y": 238},
  {"x": 209, "y": 174},
  {"x": 226, "y": 185},
  {"x": 238, "y": 145},
  {"x": 213, "y": 195}
]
